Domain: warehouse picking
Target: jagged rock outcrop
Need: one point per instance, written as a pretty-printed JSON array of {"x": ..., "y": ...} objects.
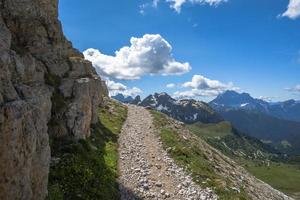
[
  {"x": 185, "y": 110},
  {"x": 137, "y": 100},
  {"x": 46, "y": 88},
  {"x": 122, "y": 98}
]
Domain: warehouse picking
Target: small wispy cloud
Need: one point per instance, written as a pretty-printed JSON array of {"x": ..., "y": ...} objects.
[
  {"x": 195, "y": 25},
  {"x": 295, "y": 89},
  {"x": 142, "y": 8},
  {"x": 177, "y": 4},
  {"x": 171, "y": 85},
  {"x": 268, "y": 98},
  {"x": 293, "y": 10}
]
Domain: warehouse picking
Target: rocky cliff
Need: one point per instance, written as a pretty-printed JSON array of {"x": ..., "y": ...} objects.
[{"x": 46, "y": 89}]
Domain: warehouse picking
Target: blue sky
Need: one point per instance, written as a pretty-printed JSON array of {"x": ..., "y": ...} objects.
[{"x": 238, "y": 44}]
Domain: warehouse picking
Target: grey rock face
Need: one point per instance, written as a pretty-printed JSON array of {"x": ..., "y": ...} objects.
[{"x": 46, "y": 89}]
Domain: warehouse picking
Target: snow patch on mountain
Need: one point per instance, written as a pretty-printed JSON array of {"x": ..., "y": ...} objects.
[
  {"x": 195, "y": 116},
  {"x": 231, "y": 100},
  {"x": 161, "y": 107},
  {"x": 244, "y": 104}
]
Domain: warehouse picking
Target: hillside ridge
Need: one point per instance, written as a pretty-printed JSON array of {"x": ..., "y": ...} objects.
[{"x": 154, "y": 173}]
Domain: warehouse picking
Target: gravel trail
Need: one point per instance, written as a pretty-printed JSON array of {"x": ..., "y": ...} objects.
[{"x": 146, "y": 171}]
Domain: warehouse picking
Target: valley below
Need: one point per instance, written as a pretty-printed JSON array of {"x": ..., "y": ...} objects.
[{"x": 259, "y": 159}]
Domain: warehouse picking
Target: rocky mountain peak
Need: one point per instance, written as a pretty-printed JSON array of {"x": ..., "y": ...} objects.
[
  {"x": 158, "y": 100},
  {"x": 122, "y": 98},
  {"x": 163, "y": 97},
  {"x": 186, "y": 110},
  {"x": 231, "y": 100},
  {"x": 232, "y": 97},
  {"x": 137, "y": 100}
]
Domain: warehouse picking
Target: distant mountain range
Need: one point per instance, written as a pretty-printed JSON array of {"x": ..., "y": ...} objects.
[
  {"x": 231, "y": 100},
  {"x": 186, "y": 110},
  {"x": 277, "y": 124},
  {"x": 274, "y": 123},
  {"x": 122, "y": 98},
  {"x": 127, "y": 99}
]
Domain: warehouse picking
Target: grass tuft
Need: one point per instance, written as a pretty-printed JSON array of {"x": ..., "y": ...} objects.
[{"x": 87, "y": 169}]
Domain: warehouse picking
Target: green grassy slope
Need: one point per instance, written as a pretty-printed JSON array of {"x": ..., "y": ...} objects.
[
  {"x": 267, "y": 128},
  {"x": 187, "y": 153},
  {"x": 87, "y": 169},
  {"x": 282, "y": 176},
  {"x": 221, "y": 129},
  {"x": 233, "y": 143}
]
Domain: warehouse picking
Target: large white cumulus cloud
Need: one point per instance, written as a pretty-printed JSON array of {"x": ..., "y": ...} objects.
[
  {"x": 293, "y": 10},
  {"x": 148, "y": 55},
  {"x": 177, "y": 4},
  {"x": 201, "y": 86}
]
